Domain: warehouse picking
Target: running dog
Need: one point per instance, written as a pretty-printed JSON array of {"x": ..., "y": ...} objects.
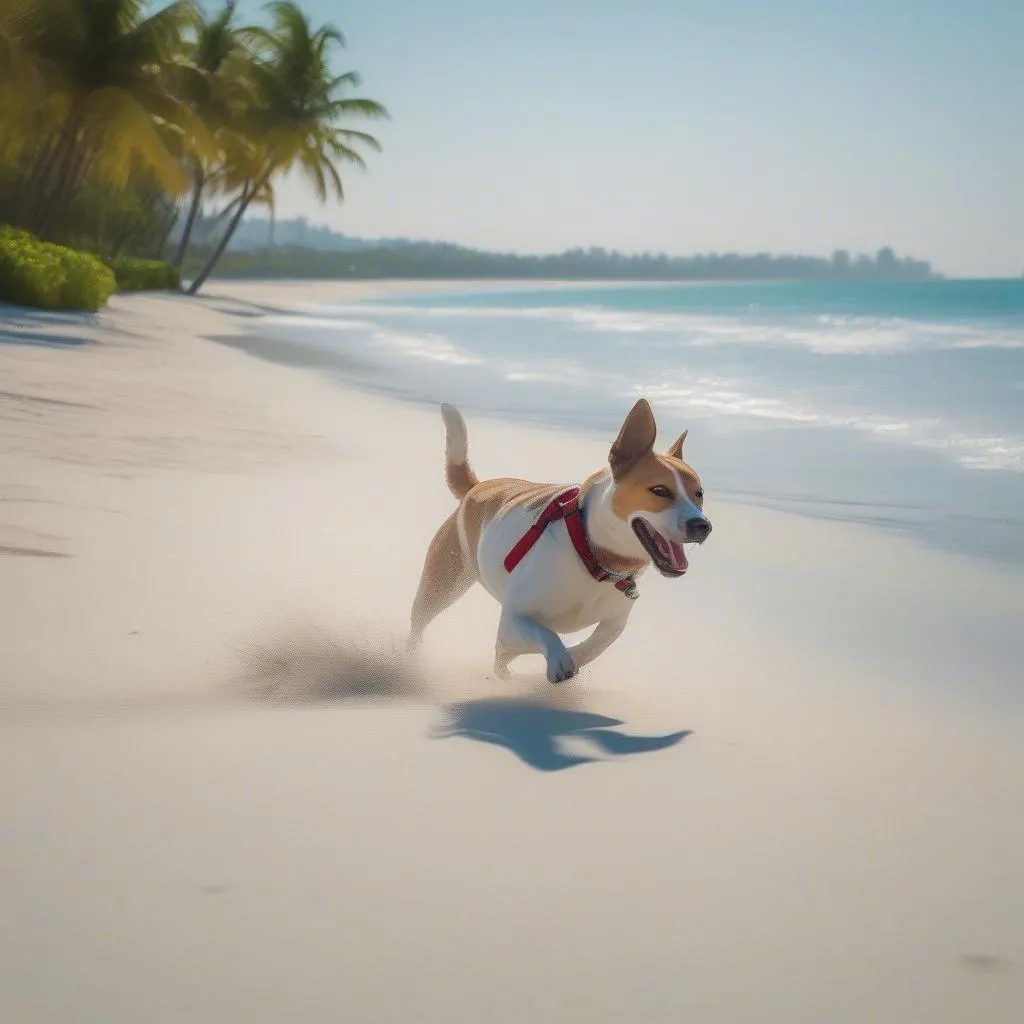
[{"x": 559, "y": 559}]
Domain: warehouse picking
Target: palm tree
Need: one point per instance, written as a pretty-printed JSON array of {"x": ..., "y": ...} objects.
[
  {"x": 114, "y": 84},
  {"x": 293, "y": 121},
  {"x": 219, "y": 53}
]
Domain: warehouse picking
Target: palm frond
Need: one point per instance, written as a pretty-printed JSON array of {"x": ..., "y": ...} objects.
[
  {"x": 341, "y": 137},
  {"x": 158, "y": 38},
  {"x": 353, "y": 106},
  {"x": 120, "y": 130}
]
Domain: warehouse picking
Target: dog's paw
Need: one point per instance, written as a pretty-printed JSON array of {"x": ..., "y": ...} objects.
[{"x": 561, "y": 668}]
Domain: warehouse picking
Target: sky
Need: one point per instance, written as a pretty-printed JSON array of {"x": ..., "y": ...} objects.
[{"x": 684, "y": 126}]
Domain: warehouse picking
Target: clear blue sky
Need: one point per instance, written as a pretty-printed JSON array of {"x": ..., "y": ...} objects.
[{"x": 727, "y": 125}]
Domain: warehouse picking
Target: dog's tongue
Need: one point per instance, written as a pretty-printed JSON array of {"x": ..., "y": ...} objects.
[{"x": 675, "y": 553}]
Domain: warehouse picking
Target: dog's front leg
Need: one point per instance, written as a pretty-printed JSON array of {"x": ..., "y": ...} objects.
[
  {"x": 519, "y": 634},
  {"x": 604, "y": 635}
]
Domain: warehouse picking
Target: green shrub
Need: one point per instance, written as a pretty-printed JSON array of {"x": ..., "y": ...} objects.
[
  {"x": 34, "y": 273},
  {"x": 89, "y": 283},
  {"x": 30, "y": 275},
  {"x": 145, "y": 275}
]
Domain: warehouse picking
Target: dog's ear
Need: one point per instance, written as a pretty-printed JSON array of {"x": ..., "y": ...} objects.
[
  {"x": 676, "y": 451},
  {"x": 635, "y": 440}
]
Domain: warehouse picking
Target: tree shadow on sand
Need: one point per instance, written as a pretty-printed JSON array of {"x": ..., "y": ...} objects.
[
  {"x": 45, "y": 339},
  {"x": 535, "y": 732}
]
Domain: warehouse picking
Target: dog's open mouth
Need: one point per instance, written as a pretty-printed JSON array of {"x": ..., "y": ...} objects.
[{"x": 668, "y": 556}]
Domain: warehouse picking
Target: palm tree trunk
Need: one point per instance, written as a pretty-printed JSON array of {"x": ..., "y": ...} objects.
[
  {"x": 101, "y": 226},
  {"x": 243, "y": 204},
  {"x": 59, "y": 163},
  {"x": 25, "y": 192},
  {"x": 67, "y": 187},
  {"x": 120, "y": 241},
  {"x": 165, "y": 233},
  {"x": 53, "y": 168},
  {"x": 197, "y": 201}
]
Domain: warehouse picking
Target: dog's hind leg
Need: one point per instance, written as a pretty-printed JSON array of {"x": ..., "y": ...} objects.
[{"x": 447, "y": 575}]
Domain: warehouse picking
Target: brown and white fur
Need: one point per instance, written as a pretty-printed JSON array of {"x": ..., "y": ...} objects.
[{"x": 643, "y": 508}]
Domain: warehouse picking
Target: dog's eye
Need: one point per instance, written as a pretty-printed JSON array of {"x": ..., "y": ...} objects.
[
  {"x": 661, "y": 491},
  {"x": 700, "y": 494}
]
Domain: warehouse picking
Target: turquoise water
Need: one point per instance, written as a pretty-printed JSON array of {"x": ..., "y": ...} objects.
[{"x": 900, "y": 405}]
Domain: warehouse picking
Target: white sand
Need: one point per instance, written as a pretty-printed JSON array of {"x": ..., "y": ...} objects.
[{"x": 839, "y": 839}]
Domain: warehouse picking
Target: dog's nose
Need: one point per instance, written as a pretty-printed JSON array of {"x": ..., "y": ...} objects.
[{"x": 698, "y": 529}]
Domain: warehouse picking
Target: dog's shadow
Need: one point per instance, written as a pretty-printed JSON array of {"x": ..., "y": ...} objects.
[{"x": 535, "y": 732}]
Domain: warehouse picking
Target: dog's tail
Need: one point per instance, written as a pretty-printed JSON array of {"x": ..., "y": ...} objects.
[{"x": 460, "y": 478}]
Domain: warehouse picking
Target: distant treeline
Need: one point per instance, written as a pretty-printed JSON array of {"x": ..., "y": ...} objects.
[{"x": 442, "y": 260}]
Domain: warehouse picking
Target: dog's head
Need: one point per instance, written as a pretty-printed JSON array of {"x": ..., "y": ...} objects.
[{"x": 659, "y": 496}]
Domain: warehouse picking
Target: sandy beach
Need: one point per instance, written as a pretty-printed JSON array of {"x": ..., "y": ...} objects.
[{"x": 792, "y": 792}]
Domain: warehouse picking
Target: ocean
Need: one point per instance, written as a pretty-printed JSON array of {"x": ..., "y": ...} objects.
[{"x": 897, "y": 405}]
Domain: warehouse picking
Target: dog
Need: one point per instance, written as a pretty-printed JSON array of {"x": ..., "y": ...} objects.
[{"x": 560, "y": 559}]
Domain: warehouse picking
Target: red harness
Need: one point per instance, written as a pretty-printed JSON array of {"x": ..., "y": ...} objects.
[{"x": 566, "y": 506}]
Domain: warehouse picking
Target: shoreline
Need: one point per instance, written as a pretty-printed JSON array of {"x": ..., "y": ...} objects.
[
  {"x": 790, "y": 791},
  {"x": 298, "y": 356},
  {"x": 992, "y": 540}
]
